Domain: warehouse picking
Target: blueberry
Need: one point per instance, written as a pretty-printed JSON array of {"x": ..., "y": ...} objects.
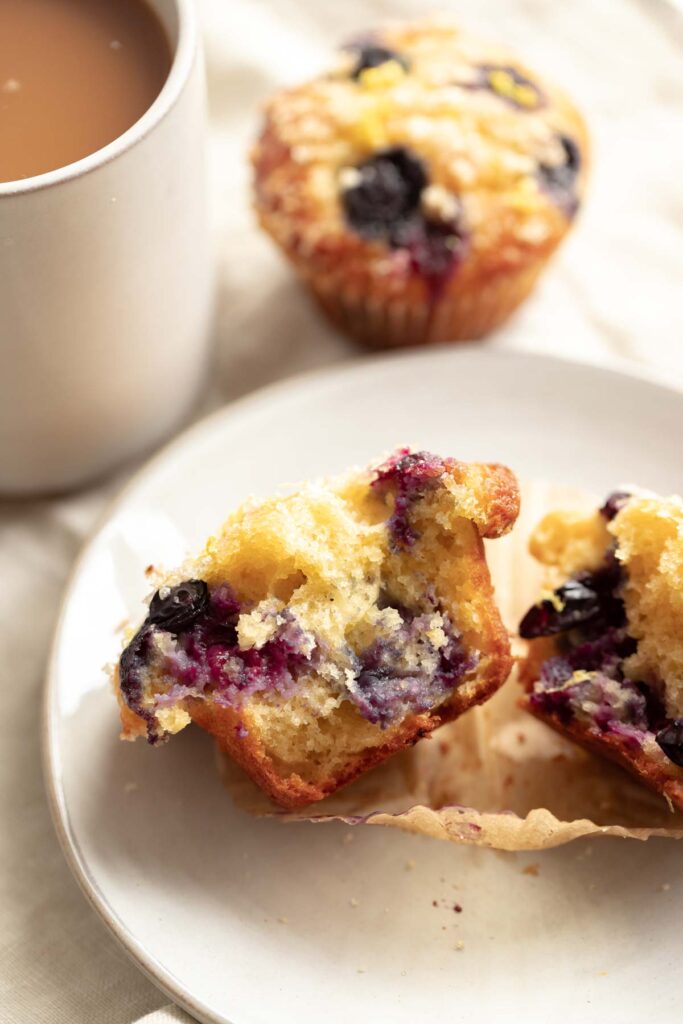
[
  {"x": 411, "y": 475},
  {"x": 614, "y": 504},
  {"x": 387, "y": 193},
  {"x": 177, "y": 608},
  {"x": 604, "y": 652},
  {"x": 437, "y": 250},
  {"x": 133, "y": 660},
  {"x": 371, "y": 56},
  {"x": 434, "y": 247},
  {"x": 556, "y": 671},
  {"x": 560, "y": 178},
  {"x": 571, "y": 605},
  {"x": 670, "y": 739},
  {"x": 384, "y": 204},
  {"x": 132, "y": 664},
  {"x": 389, "y": 685},
  {"x": 589, "y": 600}
]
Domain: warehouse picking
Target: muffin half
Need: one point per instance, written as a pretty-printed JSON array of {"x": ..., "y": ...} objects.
[
  {"x": 421, "y": 184},
  {"x": 322, "y": 631},
  {"x": 605, "y": 662}
]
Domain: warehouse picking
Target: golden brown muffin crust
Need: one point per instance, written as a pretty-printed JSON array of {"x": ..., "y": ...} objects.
[{"x": 482, "y": 153}]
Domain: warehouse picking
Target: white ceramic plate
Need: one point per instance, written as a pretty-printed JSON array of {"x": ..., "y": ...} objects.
[{"x": 252, "y": 921}]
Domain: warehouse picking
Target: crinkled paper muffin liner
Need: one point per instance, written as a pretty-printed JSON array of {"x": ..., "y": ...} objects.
[
  {"x": 414, "y": 317},
  {"x": 497, "y": 777}
]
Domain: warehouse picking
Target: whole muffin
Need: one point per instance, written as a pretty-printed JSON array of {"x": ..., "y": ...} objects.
[{"x": 420, "y": 186}]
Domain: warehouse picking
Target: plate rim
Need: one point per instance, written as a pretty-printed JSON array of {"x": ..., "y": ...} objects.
[{"x": 152, "y": 968}]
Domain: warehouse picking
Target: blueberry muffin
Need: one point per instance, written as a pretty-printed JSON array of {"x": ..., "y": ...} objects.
[
  {"x": 320, "y": 632},
  {"x": 420, "y": 186},
  {"x": 605, "y": 662}
]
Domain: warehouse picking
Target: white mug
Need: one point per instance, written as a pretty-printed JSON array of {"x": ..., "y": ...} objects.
[{"x": 105, "y": 289}]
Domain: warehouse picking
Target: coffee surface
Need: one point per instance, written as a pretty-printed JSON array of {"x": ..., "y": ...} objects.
[{"x": 74, "y": 75}]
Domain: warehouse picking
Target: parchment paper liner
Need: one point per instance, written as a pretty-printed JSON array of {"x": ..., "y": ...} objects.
[{"x": 497, "y": 777}]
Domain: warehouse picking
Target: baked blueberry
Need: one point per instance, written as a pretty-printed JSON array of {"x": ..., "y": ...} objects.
[
  {"x": 385, "y": 193},
  {"x": 436, "y": 248},
  {"x": 373, "y": 55},
  {"x": 407, "y": 672},
  {"x": 570, "y": 605},
  {"x": 670, "y": 739},
  {"x": 132, "y": 671},
  {"x": 614, "y": 503},
  {"x": 177, "y": 608},
  {"x": 560, "y": 178},
  {"x": 410, "y": 475},
  {"x": 586, "y": 598},
  {"x": 385, "y": 201}
]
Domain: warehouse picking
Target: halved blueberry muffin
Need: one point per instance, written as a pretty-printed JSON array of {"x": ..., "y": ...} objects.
[
  {"x": 322, "y": 631},
  {"x": 605, "y": 661},
  {"x": 420, "y": 186}
]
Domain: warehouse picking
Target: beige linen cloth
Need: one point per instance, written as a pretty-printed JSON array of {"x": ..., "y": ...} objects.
[{"x": 615, "y": 289}]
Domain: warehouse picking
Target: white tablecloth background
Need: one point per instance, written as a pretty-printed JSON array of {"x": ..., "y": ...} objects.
[{"x": 614, "y": 289}]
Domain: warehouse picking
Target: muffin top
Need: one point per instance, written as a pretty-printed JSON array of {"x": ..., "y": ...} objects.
[{"x": 422, "y": 147}]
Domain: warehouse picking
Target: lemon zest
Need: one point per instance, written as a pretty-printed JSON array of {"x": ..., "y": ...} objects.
[
  {"x": 554, "y": 599},
  {"x": 383, "y": 76},
  {"x": 579, "y": 676},
  {"x": 503, "y": 83}
]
